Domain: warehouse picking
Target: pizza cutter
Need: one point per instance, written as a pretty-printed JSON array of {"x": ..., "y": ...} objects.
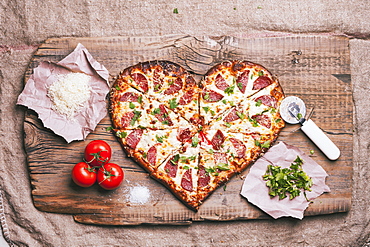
[{"x": 293, "y": 111}]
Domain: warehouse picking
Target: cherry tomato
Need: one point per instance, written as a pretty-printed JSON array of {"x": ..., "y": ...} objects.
[
  {"x": 110, "y": 176},
  {"x": 83, "y": 174},
  {"x": 97, "y": 152}
]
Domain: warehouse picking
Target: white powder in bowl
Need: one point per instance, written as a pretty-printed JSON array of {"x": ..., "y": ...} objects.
[
  {"x": 69, "y": 93},
  {"x": 139, "y": 195}
]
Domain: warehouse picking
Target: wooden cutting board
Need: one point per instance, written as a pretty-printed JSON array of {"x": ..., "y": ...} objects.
[{"x": 314, "y": 68}]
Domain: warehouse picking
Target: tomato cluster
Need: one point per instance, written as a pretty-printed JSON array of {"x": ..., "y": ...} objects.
[{"x": 96, "y": 167}]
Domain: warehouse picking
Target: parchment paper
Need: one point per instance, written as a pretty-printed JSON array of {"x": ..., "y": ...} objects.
[
  {"x": 255, "y": 189},
  {"x": 34, "y": 95}
]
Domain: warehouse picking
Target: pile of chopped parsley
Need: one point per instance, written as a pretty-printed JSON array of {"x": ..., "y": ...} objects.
[{"x": 287, "y": 181}]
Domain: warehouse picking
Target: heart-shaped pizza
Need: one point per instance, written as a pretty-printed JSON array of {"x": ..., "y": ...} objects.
[{"x": 193, "y": 137}]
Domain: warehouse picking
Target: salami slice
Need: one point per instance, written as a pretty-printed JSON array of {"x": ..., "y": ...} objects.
[
  {"x": 175, "y": 86},
  {"x": 187, "y": 180},
  {"x": 172, "y": 166},
  {"x": 152, "y": 155},
  {"x": 141, "y": 81},
  {"x": 163, "y": 116},
  {"x": 239, "y": 147},
  {"x": 232, "y": 116},
  {"x": 203, "y": 177},
  {"x": 261, "y": 82},
  {"x": 242, "y": 81},
  {"x": 217, "y": 140},
  {"x": 220, "y": 158},
  {"x": 126, "y": 119},
  {"x": 267, "y": 100},
  {"x": 129, "y": 97},
  {"x": 263, "y": 120},
  {"x": 187, "y": 97},
  {"x": 211, "y": 96},
  {"x": 220, "y": 82},
  {"x": 184, "y": 135},
  {"x": 134, "y": 138}
]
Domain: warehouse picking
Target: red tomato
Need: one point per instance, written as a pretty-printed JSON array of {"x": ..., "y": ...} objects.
[
  {"x": 110, "y": 176},
  {"x": 83, "y": 174},
  {"x": 97, "y": 152}
]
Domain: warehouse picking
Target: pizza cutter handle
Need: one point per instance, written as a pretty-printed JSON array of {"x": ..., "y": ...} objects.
[{"x": 321, "y": 140}]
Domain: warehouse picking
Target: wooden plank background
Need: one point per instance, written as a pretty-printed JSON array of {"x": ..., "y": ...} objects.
[{"x": 315, "y": 68}]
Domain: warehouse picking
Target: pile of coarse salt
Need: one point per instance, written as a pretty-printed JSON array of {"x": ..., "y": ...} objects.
[
  {"x": 69, "y": 93},
  {"x": 139, "y": 194}
]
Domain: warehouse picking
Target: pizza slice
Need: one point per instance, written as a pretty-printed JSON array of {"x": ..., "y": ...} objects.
[
  {"x": 214, "y": 169},
  {"x": 131, "y": 109},
  {"x": 135, "y": 77},
  {"x": 179, "y": 173},
  {"x": 218, "y": 94},
  {"x": 256, "y": 114},
  {"x": 220, "y": 159},
  {"x": 230, "y": 83},
  {"x": 224, "y": 154},
  {"x": 126, "y": 105},
  {"x": 150, "y": 148},
  {"x": 240, "y": 149},
  {"x": 174, "y": 87},
  {"x": 185, "y": 104},
  {"x": 158, "y": 116},
  {"x": 165, "y": 82}
]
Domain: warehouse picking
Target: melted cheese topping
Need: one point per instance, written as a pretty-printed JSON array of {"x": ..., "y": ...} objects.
[
  {"x": 189, "y": 159},
  {"x": 166, "y": 141}
]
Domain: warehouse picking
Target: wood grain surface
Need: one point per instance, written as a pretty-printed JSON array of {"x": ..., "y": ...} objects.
[{"x": 314, "y": 68}]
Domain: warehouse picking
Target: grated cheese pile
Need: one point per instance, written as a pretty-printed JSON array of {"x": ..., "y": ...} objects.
[{"x": 69, "y": 93}]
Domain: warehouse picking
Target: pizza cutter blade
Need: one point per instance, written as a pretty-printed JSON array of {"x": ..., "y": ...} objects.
[{"x": 293, "y": 111}]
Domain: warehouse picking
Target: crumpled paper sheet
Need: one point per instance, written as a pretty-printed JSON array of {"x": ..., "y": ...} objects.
[
  {"x": 34, "y": 95},
  {"x": 255, "y": 189}
]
